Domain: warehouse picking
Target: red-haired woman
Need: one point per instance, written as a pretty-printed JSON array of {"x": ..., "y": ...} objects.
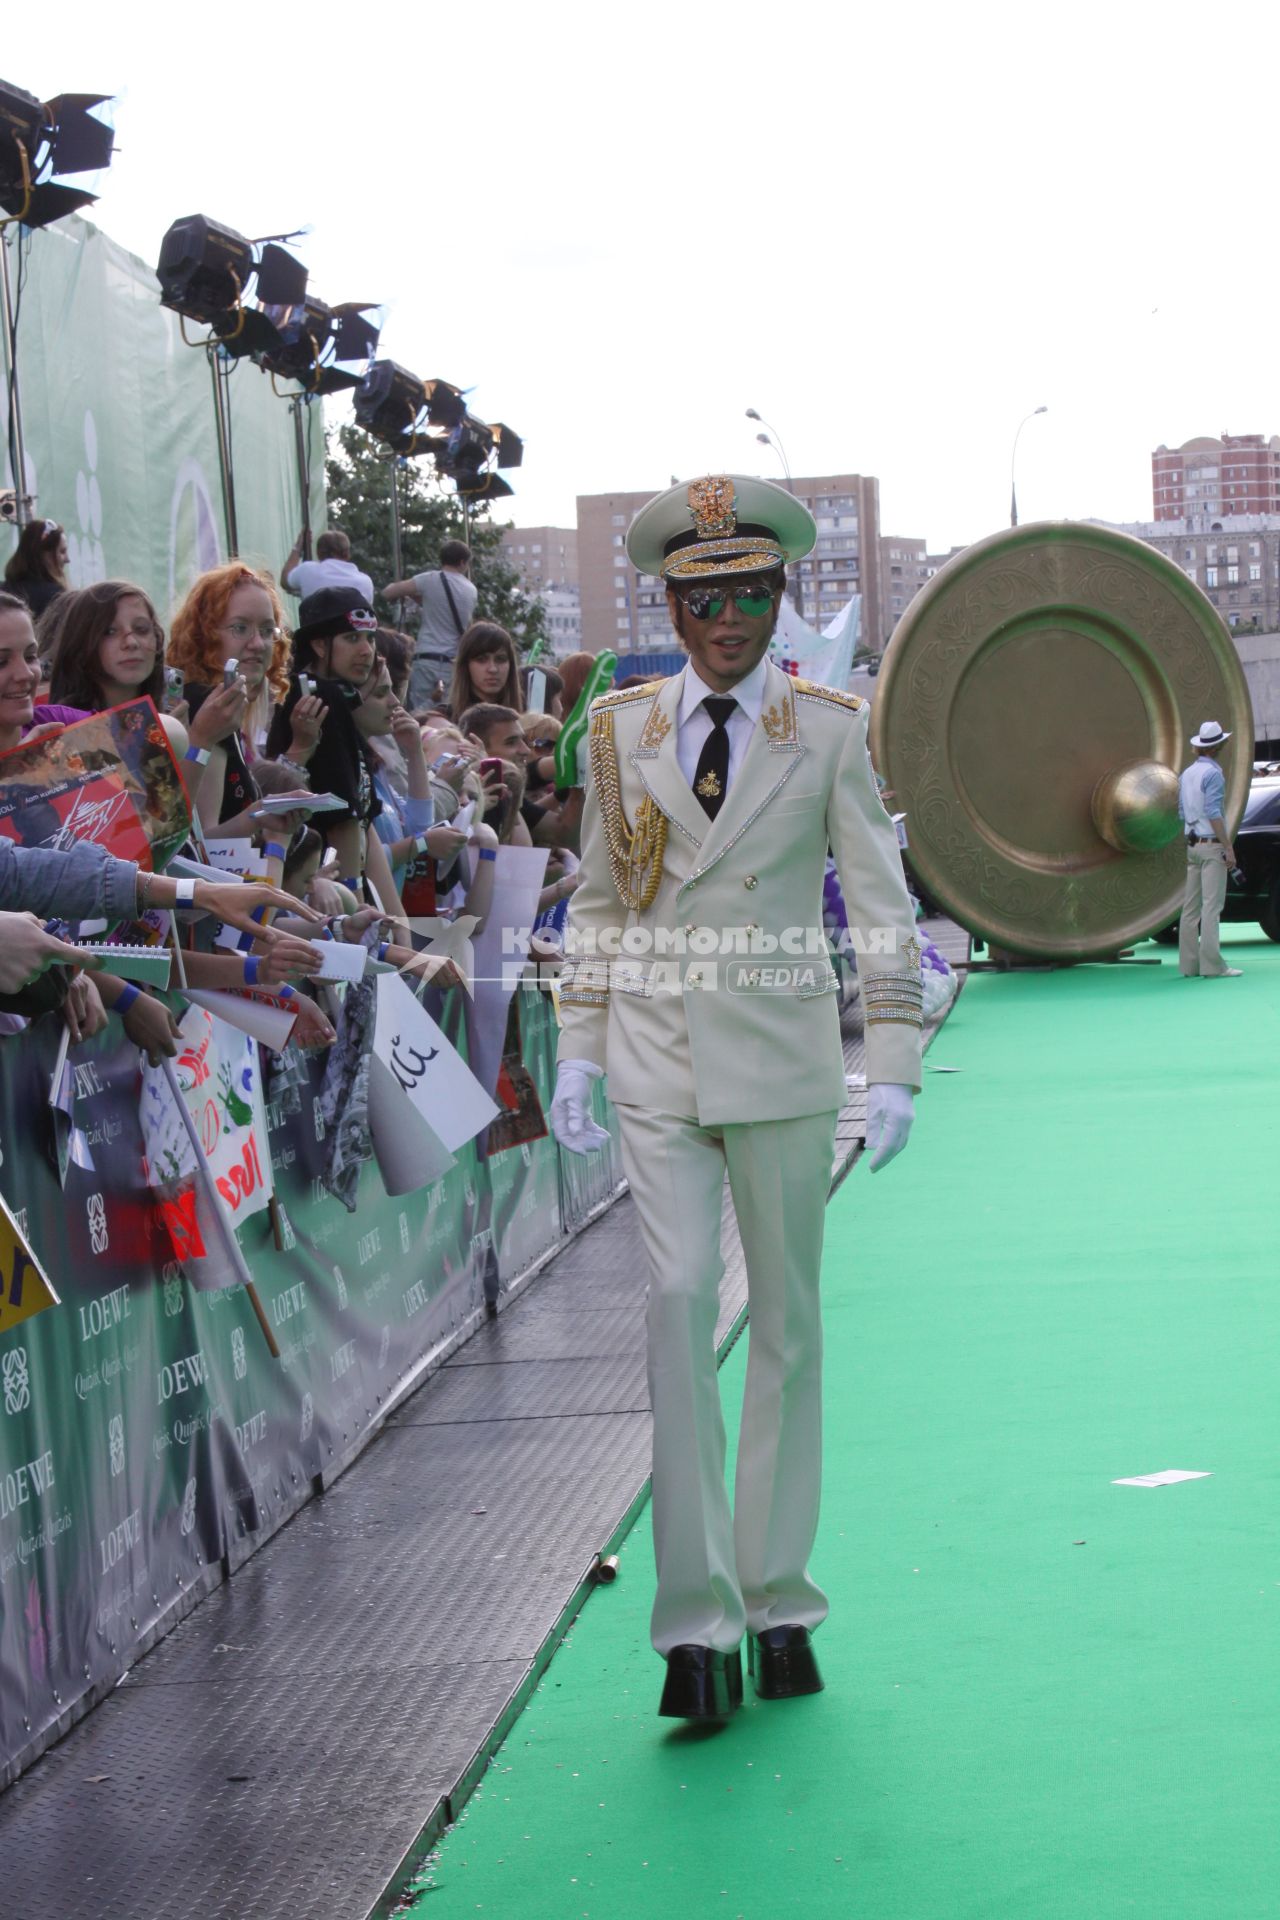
[{"x": 231, "y": 614}]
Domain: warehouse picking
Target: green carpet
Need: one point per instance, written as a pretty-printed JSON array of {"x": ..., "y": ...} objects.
[{"x": 1047, "y": 1696}]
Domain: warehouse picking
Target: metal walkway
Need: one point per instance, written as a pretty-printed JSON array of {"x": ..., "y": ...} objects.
[{"x": 297, "y": 1743}]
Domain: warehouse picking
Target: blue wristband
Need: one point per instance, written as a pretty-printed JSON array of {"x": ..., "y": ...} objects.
[
  {"x": 251, "y": 965},
  {"x": 128, "y": 994},
  {"x": 488, "y": 853},
  {"x": 287, "y": 993},
  {"x": 273, "y": 849},
  {"x": 384, "y": 948}
]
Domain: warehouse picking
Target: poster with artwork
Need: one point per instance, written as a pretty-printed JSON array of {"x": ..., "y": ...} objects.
[{"x": 110, "y": 779}]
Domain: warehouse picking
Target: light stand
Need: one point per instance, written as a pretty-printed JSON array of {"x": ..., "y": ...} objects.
[
  {"x": 220, "y": 367},
  {"x": 17, "y": 446},
  {"x": 303, "y": 460},
  {"x": 397, "y": 554}
]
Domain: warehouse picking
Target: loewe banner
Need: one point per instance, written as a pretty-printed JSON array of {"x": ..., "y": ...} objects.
[{"x": 148, "y": 1442}]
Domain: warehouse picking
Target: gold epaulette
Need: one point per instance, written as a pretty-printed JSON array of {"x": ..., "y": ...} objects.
[
  {"x": 812, "y": 690},
  {"x": 621, "y": 696}
]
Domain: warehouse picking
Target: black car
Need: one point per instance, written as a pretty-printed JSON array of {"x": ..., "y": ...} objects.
[{"x": 1256, "y": 895}]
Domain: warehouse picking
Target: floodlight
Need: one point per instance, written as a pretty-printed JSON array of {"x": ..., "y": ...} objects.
[
  {"x": 446, "y": 405},
  {"x": 387, "y": 403},
  {"x": 282, "y": 278},
  {"x": 39, "y": 139},
  {"x": 484, "y": 485},
  {"x": 509, "y": 445},
  {"x": 315, "y": 338},
  {"x": 204, "y": 269}
]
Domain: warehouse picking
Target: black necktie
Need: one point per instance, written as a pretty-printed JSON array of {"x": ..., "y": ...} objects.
[{"x": 712, "y": 774}]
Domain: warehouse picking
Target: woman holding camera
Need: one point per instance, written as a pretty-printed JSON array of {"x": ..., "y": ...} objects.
[{"x": 228, "y": 639}]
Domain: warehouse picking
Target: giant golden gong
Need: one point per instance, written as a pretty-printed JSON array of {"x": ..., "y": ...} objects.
[{"x": 1032, "y": 713}]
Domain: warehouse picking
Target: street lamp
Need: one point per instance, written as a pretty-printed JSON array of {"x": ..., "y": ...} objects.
[
  {"x": 774, "y": 439},
  {"x": 775, "y": 442},
  {"x": 1013, "y": 489}
]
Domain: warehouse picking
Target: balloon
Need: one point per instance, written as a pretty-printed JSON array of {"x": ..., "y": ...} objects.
[{"x": 574, "y": 730}]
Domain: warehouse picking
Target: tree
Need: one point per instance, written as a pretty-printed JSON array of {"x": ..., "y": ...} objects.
[{"x": 358, "y": 484}]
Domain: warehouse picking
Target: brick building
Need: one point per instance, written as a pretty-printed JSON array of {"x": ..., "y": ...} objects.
[{"x": 1206, "y": 480}]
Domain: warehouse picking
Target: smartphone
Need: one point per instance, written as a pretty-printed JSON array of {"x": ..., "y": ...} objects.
[
  {"x": 229, "y": 673},
  {"x": 490, "y": 767}
]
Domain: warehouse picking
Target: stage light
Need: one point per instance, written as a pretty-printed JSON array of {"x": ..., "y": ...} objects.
[
  {"x": 387, "y": 403},
  {"x": 39, "y": 139},
  {"x": 509, "y": 445},
  {"x": 204, "y": 269},
  {"x": 315, "y": 339},
  {"x": 282, "y": 278},
  {"x": 446, "y": 405}
]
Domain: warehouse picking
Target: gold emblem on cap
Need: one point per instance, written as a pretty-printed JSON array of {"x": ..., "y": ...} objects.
[{"x": 711, "y": 502}]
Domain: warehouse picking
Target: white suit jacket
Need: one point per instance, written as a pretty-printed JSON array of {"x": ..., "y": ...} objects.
[{"x": 715, "y": 1002}]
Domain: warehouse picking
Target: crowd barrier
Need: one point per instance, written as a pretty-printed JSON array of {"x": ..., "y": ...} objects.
[{"x": 148, "y": 1440}]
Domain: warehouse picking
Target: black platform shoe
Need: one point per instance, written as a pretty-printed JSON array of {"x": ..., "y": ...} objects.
[
  {"x": 702, "y": 1684},
  {"x": 781, "y": 1662}
]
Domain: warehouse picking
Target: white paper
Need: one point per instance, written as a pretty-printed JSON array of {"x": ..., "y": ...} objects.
[
  {"x": 433, "y": 1078},
  {"x": 463, "y": 818},
  {"x": 1168, "y": 1478},
  {"x": 342, "y": 960},
  {"x": 272, "y": 1025},
  {"x": 236, "y": 856},
  {"x": 409, "y": 1152},
  {"x": 499, "y": 958}
]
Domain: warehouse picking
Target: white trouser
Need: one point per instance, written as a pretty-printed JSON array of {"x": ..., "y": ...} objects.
[
  {"x": 719, "y": 1574},
  {"x": 1205, "y": 891}
]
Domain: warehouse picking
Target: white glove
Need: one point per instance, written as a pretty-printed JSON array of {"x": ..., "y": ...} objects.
[
  {"x": 890, "y": 1112},
  {"x": 570, "y": 1115}
]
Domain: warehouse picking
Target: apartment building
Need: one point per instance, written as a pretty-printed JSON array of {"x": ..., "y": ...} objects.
[
  {"x": 627, "y": 611},
  {"x": 1209, "y": 479}
]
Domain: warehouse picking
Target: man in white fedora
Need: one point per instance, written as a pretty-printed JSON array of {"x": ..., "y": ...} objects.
[
  {"x": 1202, "y": 804},
  {"x": 699, "y": 981}
]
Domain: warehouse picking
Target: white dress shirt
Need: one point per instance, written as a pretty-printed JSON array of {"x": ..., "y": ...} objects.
[{"x": 693, "y": 722}]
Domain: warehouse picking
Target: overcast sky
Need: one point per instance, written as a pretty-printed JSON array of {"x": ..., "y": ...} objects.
[{"x": 894, "y": 232}]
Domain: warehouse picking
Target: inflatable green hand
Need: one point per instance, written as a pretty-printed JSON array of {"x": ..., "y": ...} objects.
[{"x": 574, "y": 730}]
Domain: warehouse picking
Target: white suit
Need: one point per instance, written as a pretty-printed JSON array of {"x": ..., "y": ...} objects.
[{"x": 712, "y": 1011}]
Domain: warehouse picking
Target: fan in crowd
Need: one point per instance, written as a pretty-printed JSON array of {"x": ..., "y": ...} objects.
[
  {"x": 486, "y": 671},
  {"x": 37, "y": 569},
  {"x": 264, "y": 717}
]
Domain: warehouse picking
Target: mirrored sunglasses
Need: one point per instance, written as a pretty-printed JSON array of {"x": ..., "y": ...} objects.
[{"x": 707, "y": 603}]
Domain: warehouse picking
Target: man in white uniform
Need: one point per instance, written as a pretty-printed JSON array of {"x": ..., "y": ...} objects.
[
  {"x": 699, "y": 980},
  {"x": 1202, "y": 803}
]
